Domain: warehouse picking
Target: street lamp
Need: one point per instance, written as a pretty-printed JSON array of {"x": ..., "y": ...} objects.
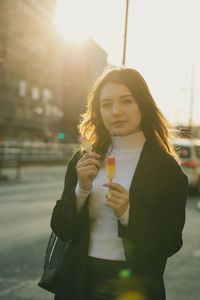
[
  {"x": 191, "y": 100},
  {"x": 125, "y": 34}
]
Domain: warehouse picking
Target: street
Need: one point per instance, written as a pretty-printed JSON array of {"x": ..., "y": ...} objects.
[{"x": 25, "y": 210}]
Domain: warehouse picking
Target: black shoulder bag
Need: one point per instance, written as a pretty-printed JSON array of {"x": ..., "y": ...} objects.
[{"x": 54, "y": 256}]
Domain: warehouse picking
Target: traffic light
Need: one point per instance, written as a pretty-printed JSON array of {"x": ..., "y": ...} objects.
[{"x": 61, "y": 135}]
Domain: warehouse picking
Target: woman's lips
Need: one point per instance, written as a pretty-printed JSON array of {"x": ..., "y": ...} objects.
[{"x": 118, "y": 123}]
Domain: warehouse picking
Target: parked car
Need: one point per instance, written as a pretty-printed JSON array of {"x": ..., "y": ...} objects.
[{"x": 188, "y": 151}]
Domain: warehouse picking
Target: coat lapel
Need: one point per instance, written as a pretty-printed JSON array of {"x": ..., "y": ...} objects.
[{"x": 149, "y": 152}]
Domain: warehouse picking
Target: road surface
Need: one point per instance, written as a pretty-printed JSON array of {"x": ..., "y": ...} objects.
[{"x": 25, "y": 209}]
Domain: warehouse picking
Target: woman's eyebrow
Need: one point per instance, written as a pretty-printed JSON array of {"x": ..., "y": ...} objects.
[
  {"x": 105, "y": 99},
  {"x": 128, "y": 95},
  {"x": 120, "y": 97}
]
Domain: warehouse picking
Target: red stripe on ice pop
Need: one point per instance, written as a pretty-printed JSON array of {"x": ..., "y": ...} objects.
[{"x": 111, "y": 160}]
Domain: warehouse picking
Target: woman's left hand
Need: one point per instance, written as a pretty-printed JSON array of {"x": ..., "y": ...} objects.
[{"x": 118, "y": 198}]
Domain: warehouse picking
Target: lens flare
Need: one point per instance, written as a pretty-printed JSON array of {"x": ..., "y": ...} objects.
[
  {"x": 131, "y": 295},
  {"x": 125, "y": 273}
]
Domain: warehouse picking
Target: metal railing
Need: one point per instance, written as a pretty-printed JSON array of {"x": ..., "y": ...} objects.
[{"x": 14, "y": 154}]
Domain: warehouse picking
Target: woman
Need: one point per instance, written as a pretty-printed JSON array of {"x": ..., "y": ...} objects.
[{"x": 120, "y": 243}]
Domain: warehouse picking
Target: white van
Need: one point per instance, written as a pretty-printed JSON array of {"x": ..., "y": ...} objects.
[{"x": 189, "y": 153}]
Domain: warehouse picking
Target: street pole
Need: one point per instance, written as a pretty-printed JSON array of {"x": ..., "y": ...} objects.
[
  {"x": 191, "y": 101},
  {"x": 125, "y": 34}
]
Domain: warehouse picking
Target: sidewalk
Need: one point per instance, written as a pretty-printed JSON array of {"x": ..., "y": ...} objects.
[
  {"x": 21, "y": 290},
  {"x": 26, "y": 207}
]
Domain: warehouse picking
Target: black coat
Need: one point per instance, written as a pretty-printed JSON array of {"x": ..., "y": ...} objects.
[{"x": 158, "y": 195}]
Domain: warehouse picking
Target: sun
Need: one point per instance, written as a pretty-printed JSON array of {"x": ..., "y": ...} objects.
[
  {"x": 72, "y": 20},
  {"x": 101, "y": 20}
]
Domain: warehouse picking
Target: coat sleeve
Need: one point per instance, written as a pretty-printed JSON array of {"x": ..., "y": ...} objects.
[
  {"x": 159, "y": 228},
  {"x": 66, "y": 220}
]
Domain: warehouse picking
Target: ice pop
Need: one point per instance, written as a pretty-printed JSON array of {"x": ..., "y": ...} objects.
[
  {"x": 85, "y": 144},
  {"x": 110, "y": 167}
]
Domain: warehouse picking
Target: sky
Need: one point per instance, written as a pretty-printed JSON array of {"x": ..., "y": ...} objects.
[{"x": 162, "y": 44}]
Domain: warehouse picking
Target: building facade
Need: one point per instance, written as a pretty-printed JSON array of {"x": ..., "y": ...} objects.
[
  {"x": 28, "y": 92},
  {"x": 84, "y": 63},
  {"x": 43, "y": 81}
]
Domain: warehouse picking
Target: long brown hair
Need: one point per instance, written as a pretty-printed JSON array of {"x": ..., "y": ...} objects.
[{"x": 153, "y": 124}]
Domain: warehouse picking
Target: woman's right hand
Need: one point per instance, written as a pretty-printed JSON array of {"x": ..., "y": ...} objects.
[{"x": 87, "y": 169}]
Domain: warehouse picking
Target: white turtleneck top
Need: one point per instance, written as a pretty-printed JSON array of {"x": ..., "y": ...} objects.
[{"x": 104, "y": 240}]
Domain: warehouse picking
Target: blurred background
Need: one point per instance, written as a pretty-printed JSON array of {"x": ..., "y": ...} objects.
[{"x": 51, "y": 53}]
